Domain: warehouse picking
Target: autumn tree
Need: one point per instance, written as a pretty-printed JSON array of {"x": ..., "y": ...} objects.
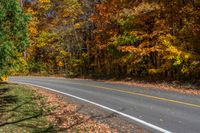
[
  {"x": 145, "y": 37},
  {"x": 53, "y": 34},
  {"x": 115, "y": 38}
]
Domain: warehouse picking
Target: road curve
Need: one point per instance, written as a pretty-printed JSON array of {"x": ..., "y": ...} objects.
[{"x": 170, "y": 111}]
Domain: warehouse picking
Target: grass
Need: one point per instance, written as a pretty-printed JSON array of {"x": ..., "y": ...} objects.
[
  {"x": 22, "y": 111},
  {"x": 26, "y": 109}
]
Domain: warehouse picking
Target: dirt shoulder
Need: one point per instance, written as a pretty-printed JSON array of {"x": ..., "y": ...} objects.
[{"x": 73, "y": 115}]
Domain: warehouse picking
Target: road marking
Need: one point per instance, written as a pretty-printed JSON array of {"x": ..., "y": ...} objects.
[
  {"x": 139, "y": 94},
  {"x": 145, "y": 95},
  {"x": 104, "y": 107}
]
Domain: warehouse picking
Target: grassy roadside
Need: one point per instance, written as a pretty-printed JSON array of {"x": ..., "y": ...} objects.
[
  {"x": 21, "y": 110},
  {"x": 25, "y": 109}
]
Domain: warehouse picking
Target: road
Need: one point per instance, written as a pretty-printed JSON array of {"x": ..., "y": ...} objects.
[{"x": 170, "y": 111}]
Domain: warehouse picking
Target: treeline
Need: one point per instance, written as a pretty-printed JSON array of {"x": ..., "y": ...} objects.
[{"x": 114, "y": 38}]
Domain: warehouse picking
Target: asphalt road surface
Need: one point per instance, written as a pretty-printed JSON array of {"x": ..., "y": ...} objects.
[{"x": 155, "y": 110}]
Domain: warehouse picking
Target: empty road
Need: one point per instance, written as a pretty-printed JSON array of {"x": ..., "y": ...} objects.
[{"x": 156, "y": 110}]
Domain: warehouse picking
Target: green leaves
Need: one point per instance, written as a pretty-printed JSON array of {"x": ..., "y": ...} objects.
[
  {"x": 13, "y": 34},
  {"x": 125, "y": 39}
]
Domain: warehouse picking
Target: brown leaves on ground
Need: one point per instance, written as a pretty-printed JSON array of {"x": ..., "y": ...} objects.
[{"x": 65, "y": 116}]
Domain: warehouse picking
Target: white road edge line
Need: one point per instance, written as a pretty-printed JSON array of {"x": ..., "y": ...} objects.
[{"x": 102, "y": 106}]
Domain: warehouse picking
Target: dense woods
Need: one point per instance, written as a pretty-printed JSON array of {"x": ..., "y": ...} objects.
[{"x": 157, "y": 39}]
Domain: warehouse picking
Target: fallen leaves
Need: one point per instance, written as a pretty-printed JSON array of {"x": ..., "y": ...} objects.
[{"x": 65, "y": 116}]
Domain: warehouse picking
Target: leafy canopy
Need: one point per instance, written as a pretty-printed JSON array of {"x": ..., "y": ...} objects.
[{"x": 13, "y": 35}]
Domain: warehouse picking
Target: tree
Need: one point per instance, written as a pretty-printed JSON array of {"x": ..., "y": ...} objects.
[
  {"x": 13, "y": 36},
  {"x": 53, "y": 34},
  {"x": 147, "y": 38},
  {"x": 115, "y": 38}
]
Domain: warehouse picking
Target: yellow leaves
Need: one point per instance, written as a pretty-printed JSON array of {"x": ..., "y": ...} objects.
[
  {"x": 175, "y": 51},
  {"x": 32, "y": 25},
  {"x": 31, "y": 11},
  {"x": 4, "y": 78},
  {"x": 187, "y": 56},
  {"x": 42, "y": 44},
  {"x": 64, "y": 53},
  {"x": 65, "y": 13},
  {"x": 166, "y": 39},
  {"x": 69, "y": 9},
  {"x": 77, "y": 26},
  {"x": 60, "y": 64},
  {"x": 32, "y": 28},
  {"x": 154, "y": 71},
  {"x": 138, "y": 50},
  {"x": 44, "y": 1},
  {"x": 44, "y": 4},
  {"x": 161, "y": 69},
  {"x": 61, "y": 57}
]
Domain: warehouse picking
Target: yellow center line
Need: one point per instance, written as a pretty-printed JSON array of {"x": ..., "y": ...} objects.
[{"x": 143, "y": 95}]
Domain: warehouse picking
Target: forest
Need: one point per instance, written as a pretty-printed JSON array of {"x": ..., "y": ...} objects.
[{"x": 148, "y": 39}]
